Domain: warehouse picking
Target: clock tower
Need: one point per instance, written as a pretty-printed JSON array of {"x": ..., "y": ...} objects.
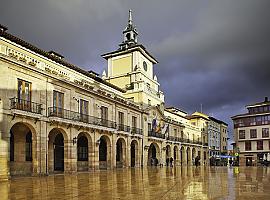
[{"x": 131, "y": 68}]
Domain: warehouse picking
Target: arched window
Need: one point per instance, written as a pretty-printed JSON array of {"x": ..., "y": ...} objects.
[
  {"x": 28, "y": 147},
  {"x": 11, "y": 154},
  {"x": 82, "y": 149}
]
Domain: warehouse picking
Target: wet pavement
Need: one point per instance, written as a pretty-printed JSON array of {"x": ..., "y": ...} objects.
[{"x": 148, "y": 183}]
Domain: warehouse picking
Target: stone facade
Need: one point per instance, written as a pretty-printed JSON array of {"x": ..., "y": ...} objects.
[{"x": 56, "y": 117}]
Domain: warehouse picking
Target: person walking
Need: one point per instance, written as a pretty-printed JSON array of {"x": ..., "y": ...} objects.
[
  {"x": 197, "y": 161},
  {"x": 171, "y": 162}
]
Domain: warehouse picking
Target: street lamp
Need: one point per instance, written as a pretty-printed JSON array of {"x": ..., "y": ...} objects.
[{"x": 74, "y": 140}]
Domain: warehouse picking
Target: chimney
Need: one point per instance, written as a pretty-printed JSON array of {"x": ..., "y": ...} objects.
[{"x": 265, "y": 99}]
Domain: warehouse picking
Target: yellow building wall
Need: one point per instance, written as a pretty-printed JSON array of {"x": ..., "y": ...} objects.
[
  {"x": 122, "y": 65},
  {"x": 120, "y": 81}
]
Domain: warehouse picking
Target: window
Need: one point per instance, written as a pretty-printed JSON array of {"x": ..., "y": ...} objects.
[
  {"x": 265, "y": 132},
  {"x": 248, "y": 145},
  {"x": 84, "y": 107},
  {"x": 24, "y": 90},
  {"x": 84, "y": 110},
  {"x": 253, "y": 133},
  {"x": 182, "y": 134},
  {"x": 260, "y": 145},
  {"x": 24, "y": 95},
  {"x": 121, "y": 121},
  {"x": 104, "y": 115},
  {"x": 134, "y": 122},
  {"x": 175, "y": 132},
  {"x": 149, "y": 128},
  {"x": 242, "y": 134},
  {"x": 28, "y": 147},
  {"x": 58, "y": 103}
]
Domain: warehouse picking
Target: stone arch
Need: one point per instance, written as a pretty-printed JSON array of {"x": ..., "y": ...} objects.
[
  {"x": 153, "y": 154},
  {"x": 104, "y": 152},
  {"x": 134, "y": 153},
  {"x": 120, "y": 153},
  {"x": 23, "y": 148},
  {"x": 57, "y": 150},
  {"x": 84, "y": 151}
]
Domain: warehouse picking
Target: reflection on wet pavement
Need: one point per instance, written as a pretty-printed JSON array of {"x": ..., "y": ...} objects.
[{"x": 148, "y": 183}]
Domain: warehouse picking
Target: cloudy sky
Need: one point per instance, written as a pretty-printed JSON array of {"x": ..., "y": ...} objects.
[{"x": 215, "y": 53}]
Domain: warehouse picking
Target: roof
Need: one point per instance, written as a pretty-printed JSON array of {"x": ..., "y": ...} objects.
[
  {"x": 218, "y": 121},
  {"x": 265, "y": 102},
  {"x": 175, "y": 108},
  {"x": 197, "y": 116},
  {"x": 132, "y": 48},
  {"x": 56, "y": 59}
]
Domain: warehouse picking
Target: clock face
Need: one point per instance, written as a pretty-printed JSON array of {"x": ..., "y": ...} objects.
[{"x": 144, "y": 65}]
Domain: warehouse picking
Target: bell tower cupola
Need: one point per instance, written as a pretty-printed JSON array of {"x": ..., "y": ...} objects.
[
  {"x": 131, "y": 67},
  {"x": 130, "y": 34}
]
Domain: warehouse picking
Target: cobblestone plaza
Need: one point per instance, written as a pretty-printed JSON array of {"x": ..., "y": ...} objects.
[{"x": 145, "y": 183}]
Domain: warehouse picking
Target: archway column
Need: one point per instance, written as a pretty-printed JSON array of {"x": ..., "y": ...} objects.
[
  {"x": 113, "y": 152},
  {"x": 128, "y": 153},
  {"x": 4, "y": 155}
]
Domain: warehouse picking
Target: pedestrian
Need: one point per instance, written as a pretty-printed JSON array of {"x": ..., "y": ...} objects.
[
  {"x": 167, "y": 162},
  {"x": 197, "y": 161},
  {"x": 171, "y": 162},
  {"x": 230, "y": 162},
  {"x": 161, "y": 162}
]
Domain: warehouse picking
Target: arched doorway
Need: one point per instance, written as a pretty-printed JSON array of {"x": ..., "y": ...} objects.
[
  {"x": 56, "y": 151},
  {"x": 120, "y": 153},
  {"x": 22, "y": 149},
  {"x": 104, "y": 152},
  {"x": 82, "y": 153},
  {"x": 153, "y": 155},
  {"x": 133, "y": 153},
  {"x": 59, "y": 152}
]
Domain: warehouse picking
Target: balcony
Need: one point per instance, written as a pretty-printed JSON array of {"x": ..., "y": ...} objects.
[
  {"x": 135, "y": 130},
  {"x": 75, "y": 116},
  {"x": 122, "y": 127},
  {"x": 157, "y": 135},
  {"x": 24, "y": 105}
]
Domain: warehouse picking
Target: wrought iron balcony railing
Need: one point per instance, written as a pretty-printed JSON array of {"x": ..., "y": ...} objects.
[
  {"x": 122, "y": 127},
  {"x": 157, "y": 135},
  {"x": 75, "y": 116},
  {"x": 25, "y": 105},
  {"x": 135, "y": 130}
]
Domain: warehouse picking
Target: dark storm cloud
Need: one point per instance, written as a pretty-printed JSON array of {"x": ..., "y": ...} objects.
[{"x": 214, "y": 53}]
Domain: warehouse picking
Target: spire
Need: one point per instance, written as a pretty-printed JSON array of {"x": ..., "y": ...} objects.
[
  {"x": 130, "y": 18},
  {"x": 130, "y": 34}
]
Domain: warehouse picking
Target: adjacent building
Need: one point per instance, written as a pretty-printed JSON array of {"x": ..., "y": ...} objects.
[
  {"x": 251, "y": 133},
  {"x": 214, "y": 133}
]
